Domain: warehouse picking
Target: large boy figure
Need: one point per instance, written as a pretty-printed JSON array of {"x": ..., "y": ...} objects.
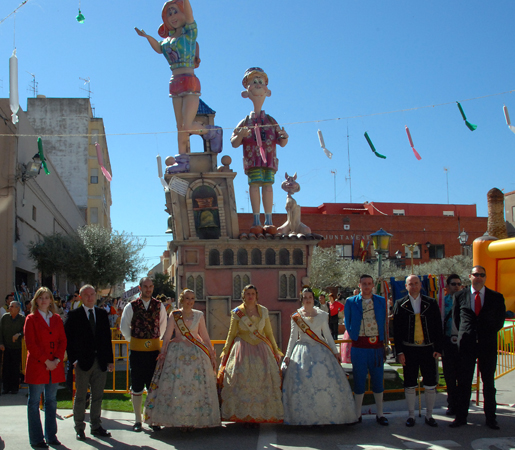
[{"x": 259, "y": 133}]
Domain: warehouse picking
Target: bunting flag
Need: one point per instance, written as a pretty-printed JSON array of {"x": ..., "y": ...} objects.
[
  {"x": 100, "y": 160},
  {"x": 160, "y": 172},
  {"x": 322, "y": 144},
  {"x": 411, "y": 143},
  {"x": 42, "y": 156},
  {"x": 507, "y": 117},
  {"x": 470, "y": 126},
  {"x": 372, "y": 146}
]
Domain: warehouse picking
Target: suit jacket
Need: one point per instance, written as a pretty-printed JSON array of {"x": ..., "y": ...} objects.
[
  {"x": 354, "y": 314},
  {"x": 83, "y": 346},
  {"x": 404, "y": 323},
  {"x": 44, "y": 342},
  {"x": 478, "y": 330}
]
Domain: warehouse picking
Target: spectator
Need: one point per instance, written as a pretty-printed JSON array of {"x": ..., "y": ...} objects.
[{"x": 11, "y": 333}]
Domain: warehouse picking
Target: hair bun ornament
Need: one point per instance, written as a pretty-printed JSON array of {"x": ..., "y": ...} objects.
[{"x": 163, "y": 31}]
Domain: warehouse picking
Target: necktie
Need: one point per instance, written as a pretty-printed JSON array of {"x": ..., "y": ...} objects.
[
  {"x": 92, "y": 320},
  {"x": 477, "y": 305}
]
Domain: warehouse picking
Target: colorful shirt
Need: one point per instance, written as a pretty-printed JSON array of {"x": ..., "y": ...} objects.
[
  {"x": 180, "y": 51},
  {"x": 269, "y": 137}
]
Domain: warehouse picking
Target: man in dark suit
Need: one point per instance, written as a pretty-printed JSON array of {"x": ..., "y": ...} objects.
[
  {"x": 418, "y": 341},
  {"x": 479, "y": 314},
  {"x": 90, "y": 351}
]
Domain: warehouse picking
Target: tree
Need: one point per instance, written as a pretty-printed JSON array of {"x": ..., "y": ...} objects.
[
  {"x": 163, "y": 285},
  {"x": 95, "y": 255},
  {"x": 328, "y": 269}
]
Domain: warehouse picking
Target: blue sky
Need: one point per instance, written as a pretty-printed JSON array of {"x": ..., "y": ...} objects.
[{"x": 375, "y": 65}]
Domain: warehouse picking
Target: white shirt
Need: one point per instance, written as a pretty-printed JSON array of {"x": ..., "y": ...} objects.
[
  {"x": 415, "y": 302},
  {"x": 46, "y": 316},
  {"x": 87, "y": 312},
  {"x": 125, "y": 323},
  {"x": 473, "y": 297}
]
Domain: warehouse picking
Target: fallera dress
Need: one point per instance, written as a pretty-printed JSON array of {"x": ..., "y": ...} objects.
[
  {"x": 251, "y": 389},
  {"x": 183, "y": 391},
  {"x": 315, "y": 387}
]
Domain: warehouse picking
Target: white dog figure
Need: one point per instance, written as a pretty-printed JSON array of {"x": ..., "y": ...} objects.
[{"x": 293, "y": 225}]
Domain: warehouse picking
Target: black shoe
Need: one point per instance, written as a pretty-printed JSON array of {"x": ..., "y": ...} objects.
[
  {"x": 137, "y": 427},
  {"x": 54, "y": 443},
  {"x": 155, "y": 428},
  {"x": 382, "y": 421},
  {"x": 450, "y": 412},
  {"x": 101, "y": 432},
  {"x": 431, "y": 422},
  {"x": 80, "y": 435},
  {"x": 457, "y": 423},
  {"x": 410, "y": 422},
  {"x": 493, "y": 424},
  {"x": 41, "y": 444}
]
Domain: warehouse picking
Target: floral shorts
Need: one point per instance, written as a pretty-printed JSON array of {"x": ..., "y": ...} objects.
[
  {"x": 184, "y": 84},
  {"x": 261, "y": 175}
]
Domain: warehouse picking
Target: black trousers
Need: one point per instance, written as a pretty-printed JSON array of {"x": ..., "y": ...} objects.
[
  {"x": 419, "y": 358},
  {"x": 333, "y": 326},
  {"x": 451, "y": 367},
  {"x": 142, "y": 365},
  {"x": 487, "y": 362},
  {"x": 11, "y": 369}
]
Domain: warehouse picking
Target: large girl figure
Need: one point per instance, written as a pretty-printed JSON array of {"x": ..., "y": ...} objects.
[
  {"x": 179, "y": 46},
  {"x": 183, "y": 390},
  {"x": 251, "y": 391},
  {"x": 315, "y": 389}
]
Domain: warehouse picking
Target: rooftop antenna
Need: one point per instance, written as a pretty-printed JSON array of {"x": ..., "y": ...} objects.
[
  {"x": 33, "y": 87},
  {"x": 446, "y": 170},
  {"x": 87, "y": 81},
  {"x": 348, "y": 158}
]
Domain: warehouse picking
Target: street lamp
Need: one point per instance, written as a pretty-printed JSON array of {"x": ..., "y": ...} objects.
[
  {"x": 381, "y": 241},
  {"x": 411, "y": 247},
  {"x": 463, "y": 237}
]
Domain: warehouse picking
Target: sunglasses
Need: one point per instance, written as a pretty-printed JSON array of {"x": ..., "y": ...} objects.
[
  {"x": 455, "y": 284},
  {"x": 477, "y": 274}
]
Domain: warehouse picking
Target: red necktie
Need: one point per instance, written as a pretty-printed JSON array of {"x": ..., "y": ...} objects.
[{"x": 477, "y": 303}]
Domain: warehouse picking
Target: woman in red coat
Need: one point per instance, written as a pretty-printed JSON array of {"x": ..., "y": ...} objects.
[{"x": 46, "y": 343}]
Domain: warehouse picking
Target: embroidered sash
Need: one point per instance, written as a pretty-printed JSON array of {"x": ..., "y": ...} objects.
[
  {"x": 306, "y": 329},
  {"x": 248, "y": 323},
  {"x": 179, "y": 320}
]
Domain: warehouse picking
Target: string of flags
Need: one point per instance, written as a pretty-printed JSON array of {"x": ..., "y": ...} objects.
[
  {"x": 507, "y": 117},
  {"x": 411, "y": 144},
  {"x": 367, "y": 137},
  {"x": 322, "y": 144},
  {"x": 470, "y": 126},
  {"x": 100, "y": 160},
  {"x": 42, "y": 156}
]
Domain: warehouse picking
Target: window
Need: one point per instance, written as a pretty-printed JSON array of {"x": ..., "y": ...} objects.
[
  {"x": 416, "y": 252},
  {"x": 228, "y": 257},
  {"x": 93, "y": 179},
  {"x": 298, "y": 257},
  {"x": 437, "y": 251},
  {"x": 270, "y": 257},
  {"x": 214, "y": 257},
  {"x": 399, "y": 212},
  {"x": 344, "y": 251},
  {"x": 195, "y": 282},
  {"x": 448, "y": 213},
  {"x": 513, "y": 212},
  {"x": 284, "y": 257},
  {"x": 255, "y": 257},
  {"x": 239, "y": 281},
  {"x": 93, "y": 214},
  {"x": 34, "y": 211},
  {"x": 243, "y": 257},
  {"x": 287, "y": 285}
]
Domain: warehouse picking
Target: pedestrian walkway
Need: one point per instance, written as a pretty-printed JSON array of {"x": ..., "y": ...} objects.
[{"x": 13, "y": 430}]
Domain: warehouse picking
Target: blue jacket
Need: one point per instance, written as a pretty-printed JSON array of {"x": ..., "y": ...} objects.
[{"x": 354, "y": 315}]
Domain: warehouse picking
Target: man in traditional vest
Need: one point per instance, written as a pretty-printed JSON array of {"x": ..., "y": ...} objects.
[
  {"x": 365, "y": 319},
  {"x": 143, "y": 324},
  {"x": 418, "y": 342}
]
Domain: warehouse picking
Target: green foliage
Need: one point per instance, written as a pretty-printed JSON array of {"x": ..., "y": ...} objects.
[
  {"x": 163, "y": 285},
  {"x": 95, "y": 255},
  {"x": 330, "y": 270}
]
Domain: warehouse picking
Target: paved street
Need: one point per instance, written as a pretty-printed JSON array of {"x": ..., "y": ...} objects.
[{"x": 368, "y": 435}]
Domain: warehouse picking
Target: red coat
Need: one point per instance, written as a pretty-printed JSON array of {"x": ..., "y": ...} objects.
[{"x": 44, "y": 342}]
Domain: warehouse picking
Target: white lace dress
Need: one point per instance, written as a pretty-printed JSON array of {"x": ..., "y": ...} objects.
[
  {"x": 315, "y": 387},
  {"x": 183, "y": 392}
]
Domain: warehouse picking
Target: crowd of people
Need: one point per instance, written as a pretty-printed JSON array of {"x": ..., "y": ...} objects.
[{"x": 171, "y": 356}]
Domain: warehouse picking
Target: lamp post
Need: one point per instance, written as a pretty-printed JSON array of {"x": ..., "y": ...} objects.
[
  {"x": 463, "y": 237},
  {"x": 381, "y": 241},
  {"x": 411, "y": 247}
]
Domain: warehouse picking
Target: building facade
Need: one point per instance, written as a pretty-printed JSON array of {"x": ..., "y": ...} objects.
[
  {"x": 32, "y": 204},
  {"x": 71, "y": 133}
]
